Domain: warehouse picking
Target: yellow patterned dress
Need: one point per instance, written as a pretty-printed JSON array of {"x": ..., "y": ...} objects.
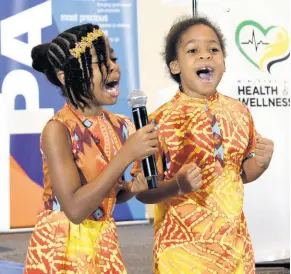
[
  {"x": 204, "y": 232},
  {"x": 59, "y": 246}
]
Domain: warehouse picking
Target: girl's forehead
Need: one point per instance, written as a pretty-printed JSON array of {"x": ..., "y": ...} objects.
[
  {"x": 199, "y": 30},
  {"x": 110, "y": 52}
]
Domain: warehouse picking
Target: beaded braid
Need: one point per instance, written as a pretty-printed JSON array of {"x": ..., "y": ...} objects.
[
  {"x": 88, "y": 58},
  {"x": 72, "y": 70},
  {"x": 86, "y": 66},
  {"x": 62, "y": 44},
  {"x": 100, "y": 48},
  {"x": 85, "y": 73},
  {"x": 58, "y": 57}
]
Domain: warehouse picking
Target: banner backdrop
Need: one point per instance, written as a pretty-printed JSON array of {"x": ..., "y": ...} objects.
[
  {"x": 257, "y": 73},
  {"x": 28, "y": 100}
]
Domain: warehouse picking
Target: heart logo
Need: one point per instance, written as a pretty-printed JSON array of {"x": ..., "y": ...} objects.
[{"x": 262, "y": 47}]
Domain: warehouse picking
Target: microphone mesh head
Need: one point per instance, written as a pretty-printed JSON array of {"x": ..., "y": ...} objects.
[{"x": 136, "y": 99}]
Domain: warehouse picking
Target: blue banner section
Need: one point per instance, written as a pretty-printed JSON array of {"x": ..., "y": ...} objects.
[{"x": 25, "y": 23}]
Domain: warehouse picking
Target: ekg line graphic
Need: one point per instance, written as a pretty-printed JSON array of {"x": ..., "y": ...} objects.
[{"x": 253, "y": 41}]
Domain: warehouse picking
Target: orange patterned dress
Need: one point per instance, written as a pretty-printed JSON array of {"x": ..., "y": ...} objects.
[
  {"x": 204, "y": 232},
  {"x": 59, "y": 246}
]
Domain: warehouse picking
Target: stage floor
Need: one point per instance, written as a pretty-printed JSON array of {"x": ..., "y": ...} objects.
[{"x": 136, "y": 245}]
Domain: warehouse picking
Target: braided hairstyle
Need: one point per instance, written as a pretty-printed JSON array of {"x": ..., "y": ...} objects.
[
  {"x": 176, "y": 32},
  {"x": 49, "y": 58}
]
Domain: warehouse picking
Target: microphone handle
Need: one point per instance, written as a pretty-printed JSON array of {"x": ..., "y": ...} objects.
[
  {"x": 140, "y": 118},
  {"x": 150, "y": 171}
]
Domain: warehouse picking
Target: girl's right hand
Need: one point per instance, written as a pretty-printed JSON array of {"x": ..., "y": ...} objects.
[
  {"x": 189, "y": 178},
  {"x": 142, "y": 143}
]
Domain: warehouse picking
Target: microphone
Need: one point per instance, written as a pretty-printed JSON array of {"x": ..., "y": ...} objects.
[{"x": 137, "y": 101}]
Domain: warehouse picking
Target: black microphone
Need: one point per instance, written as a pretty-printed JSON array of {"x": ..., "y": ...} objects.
[{"x": 137, "y": 101}]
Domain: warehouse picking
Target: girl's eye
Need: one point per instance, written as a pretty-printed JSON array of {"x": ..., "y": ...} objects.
[
  {"x": 192, "y": 51},
  {"x": 214, "y": 50},
  {"x": 114, "y": 59}
]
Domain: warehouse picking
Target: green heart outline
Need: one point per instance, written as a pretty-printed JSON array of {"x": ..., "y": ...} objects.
[{"x": 238, "y": 30}]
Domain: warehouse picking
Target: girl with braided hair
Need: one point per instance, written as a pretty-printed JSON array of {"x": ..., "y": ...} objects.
[{"x": 85, "y": 151}]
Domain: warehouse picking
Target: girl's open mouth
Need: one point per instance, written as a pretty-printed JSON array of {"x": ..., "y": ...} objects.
[{"x": 205, "y": 74}]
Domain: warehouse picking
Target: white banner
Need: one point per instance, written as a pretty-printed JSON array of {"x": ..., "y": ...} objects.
[{"x": 257, "y": 73}]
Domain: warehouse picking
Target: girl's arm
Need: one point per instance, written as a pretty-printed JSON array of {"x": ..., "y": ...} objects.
[{"x": 79, "y": 202}]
